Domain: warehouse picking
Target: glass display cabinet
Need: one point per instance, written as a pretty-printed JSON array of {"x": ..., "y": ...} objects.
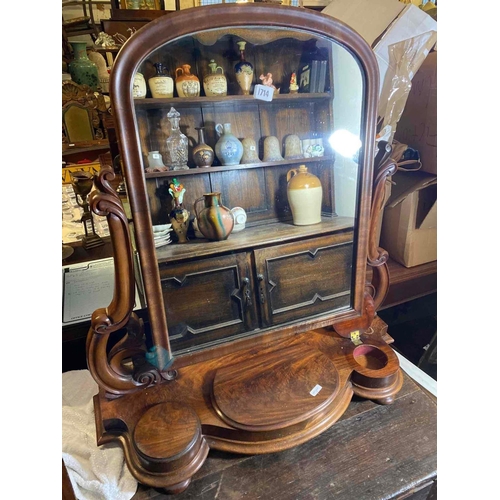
[{"x": 255, "y": 183}]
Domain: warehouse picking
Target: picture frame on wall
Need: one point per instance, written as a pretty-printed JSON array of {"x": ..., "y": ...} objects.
[{"x": 140, "y": 4}]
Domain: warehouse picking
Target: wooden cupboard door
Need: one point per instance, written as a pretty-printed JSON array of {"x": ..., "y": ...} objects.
[
  {"x": 305, "y": 278},
  {"x": 208, "y": 300}
]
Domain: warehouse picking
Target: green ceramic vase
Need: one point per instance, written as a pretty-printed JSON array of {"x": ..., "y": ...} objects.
[{"x": 82, "y": 70}]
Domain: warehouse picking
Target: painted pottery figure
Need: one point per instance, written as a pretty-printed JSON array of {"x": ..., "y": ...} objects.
[
  {"x": 179, "y": 216},
  {"x": 305, "y": 195},
  {"x": 244, "y": 70},
  {"x": 294, "y": 88},
  {"x": 187, "y": 84},
  {"x": 215, "y": 221},
  {"x": 267, "y": 80}
]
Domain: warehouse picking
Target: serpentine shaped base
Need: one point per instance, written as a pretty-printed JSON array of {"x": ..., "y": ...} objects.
[{"x": 256, "y": 400}]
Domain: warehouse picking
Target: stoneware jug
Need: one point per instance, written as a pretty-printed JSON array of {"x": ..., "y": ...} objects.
[
  {"x": 214, "y": 83},
  {"x": 305, "y": 194},
  {"x": 228, "y": 148},
  {"x": 215, "y": 221},
  {"x": 161, "y": 85},
  {"x": 139, "y": 88},
  {"x": 187, "y": 84}
]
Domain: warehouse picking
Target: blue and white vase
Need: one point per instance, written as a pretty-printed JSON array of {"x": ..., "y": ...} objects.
[{"x": 229, "y": 148}]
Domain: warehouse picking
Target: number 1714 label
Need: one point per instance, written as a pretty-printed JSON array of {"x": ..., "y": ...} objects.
[{"x": 263, "y": 92}]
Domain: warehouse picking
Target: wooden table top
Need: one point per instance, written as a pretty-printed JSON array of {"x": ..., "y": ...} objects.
[{"x": 372, "y": 452}]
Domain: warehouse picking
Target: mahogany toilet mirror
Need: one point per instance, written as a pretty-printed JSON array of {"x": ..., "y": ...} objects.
[{"x": 256, "y": 343}]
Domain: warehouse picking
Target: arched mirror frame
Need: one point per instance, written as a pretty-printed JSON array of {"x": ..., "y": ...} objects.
[
  {"x": 172, "y": 27},
  {"x": 195, "y": 406}
]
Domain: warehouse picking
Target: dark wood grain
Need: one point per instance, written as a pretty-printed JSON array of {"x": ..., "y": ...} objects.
[
  {"x": 297, "y": 281},
  {"x": 353, "y": 459},
  {"x": 254, "y": 237}
]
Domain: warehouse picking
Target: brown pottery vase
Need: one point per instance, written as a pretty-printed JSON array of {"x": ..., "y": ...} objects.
[{"x": 215, "y": 221}]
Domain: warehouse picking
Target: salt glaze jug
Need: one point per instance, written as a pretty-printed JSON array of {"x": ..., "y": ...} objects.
[
  {"x": 305, "y": 194},
  {"x": 187, "y": 84},
  {"x": 161, "y": 85},
  {"x": 215, "y": 221},
  {"x": 228, "y": 148},
  {"x": 215, "y": 84}
]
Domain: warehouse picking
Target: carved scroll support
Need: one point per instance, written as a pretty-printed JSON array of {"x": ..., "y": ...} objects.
[
  {"x": 108, "y": 369},
  {"x": 377, "y": 257}
]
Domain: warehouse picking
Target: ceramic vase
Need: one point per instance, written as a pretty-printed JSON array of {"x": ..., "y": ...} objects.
[
  {"x": 215, "y": 221},
  {"x": 82, "y": 70},
  {"x": 272, "y": 149},
  {"x": 187, "y": 84},
  {"x": 305, "y": 195},
  {"x": 215, "y": 84},
  {"x": 203, "y": 154},
  {"x": 244, "y": 70},
  {"x": 228, "y": 148},
  {"x": 160, "y": 84},
  {"x": 139, "y": 88},
  {"x": 250, "y": 154}
]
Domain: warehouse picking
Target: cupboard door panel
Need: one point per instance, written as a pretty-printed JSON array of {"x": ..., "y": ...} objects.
[
  {"x": 207, "y": 301},
  {"x": 306, "y": 278}
]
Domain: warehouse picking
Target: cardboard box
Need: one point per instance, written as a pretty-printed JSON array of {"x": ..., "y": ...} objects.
[
  {"x": 417, "y": 126},
  {"x": 384, "y": 23},
  {"x": 409, "y": 227}
]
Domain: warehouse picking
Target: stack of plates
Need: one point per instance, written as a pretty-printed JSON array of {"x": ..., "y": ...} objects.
[{"x": 161, "y": 234}]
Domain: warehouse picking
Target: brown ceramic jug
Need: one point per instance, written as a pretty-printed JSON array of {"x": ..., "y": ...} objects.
[{"x": 187, "y": 84}]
